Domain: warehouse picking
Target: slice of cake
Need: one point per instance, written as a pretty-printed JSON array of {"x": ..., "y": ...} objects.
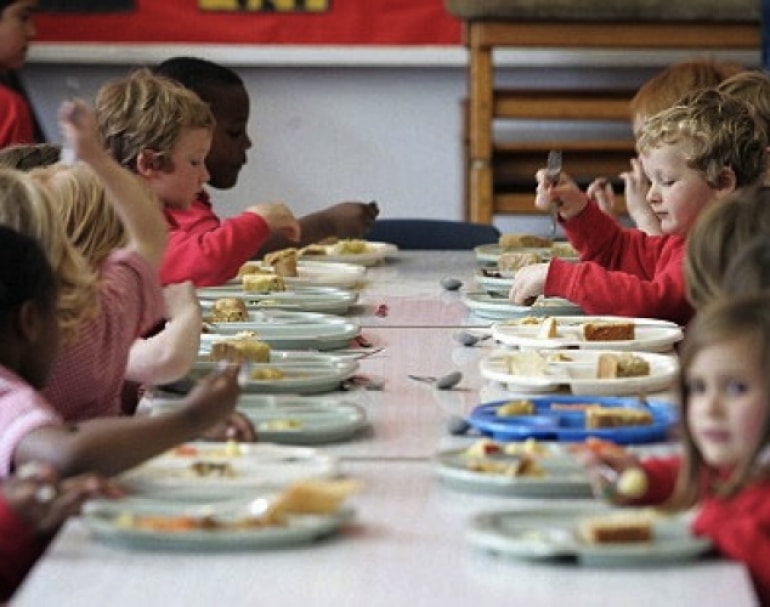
[
  {"x": 283, "y": 262},
  {"x": 511, "y": 262},
  {"x": 240, "y": 349},
  {"x": 262, "y": 283},
  {"x": 615, "y": 417},
  {"x": 229, "y": 309},
  {"x": 526, "y": 362},
  {"x": 607, "y": 331},
  {"x": 616, "y": 528},
  {"x": 626, "y": 364},
  {"x": 518, "y": 241},
  {"x": 548, "y": 328},
  {"x": 516, "y": 407}
]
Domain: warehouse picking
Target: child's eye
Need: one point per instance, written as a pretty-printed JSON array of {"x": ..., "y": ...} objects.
[
  {"x": 695, "y": 386},
  {"x": 736, "y": 387}
]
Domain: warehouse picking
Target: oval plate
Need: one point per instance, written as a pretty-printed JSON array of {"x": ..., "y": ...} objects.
[{"x": 302, "y": 299}]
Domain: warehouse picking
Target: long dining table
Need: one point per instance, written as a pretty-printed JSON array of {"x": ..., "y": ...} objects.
[{"x": 407, "y": 543}]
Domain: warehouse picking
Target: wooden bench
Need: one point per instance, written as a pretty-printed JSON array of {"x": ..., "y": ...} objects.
[{"x": 499, "y": 175}]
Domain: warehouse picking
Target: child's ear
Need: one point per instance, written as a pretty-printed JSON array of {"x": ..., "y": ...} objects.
[
  {"x": 726, "y": 181},
  {"x": 29, "y": 325},
  {"x": 148, "y": 162}
]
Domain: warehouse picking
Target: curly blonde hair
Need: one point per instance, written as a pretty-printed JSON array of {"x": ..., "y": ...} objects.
[
  {"x": 28, "y": 207},
  {"x": 715, "y": 130},
  {"x": 145, "y": 111}
]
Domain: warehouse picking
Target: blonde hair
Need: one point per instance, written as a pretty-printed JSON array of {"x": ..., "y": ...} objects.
[
  {"x": 718, "y": 235},
  {"x": 27, "y": 207},
  {"x": 753, "y": 88},
  {"x": 668, "y": 86},
  {"x": 721, "y": 320},
  {"x": 715, "y": 130},
  {"x": 87, "y": 214},
  {"x": 145, "y": 111},
  {"x": 26, "y": 156}
]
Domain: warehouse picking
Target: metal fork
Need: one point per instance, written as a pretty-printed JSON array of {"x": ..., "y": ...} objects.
[{"x": 552, "y": 175}]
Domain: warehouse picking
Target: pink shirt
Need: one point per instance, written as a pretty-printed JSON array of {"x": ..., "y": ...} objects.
[
  {"x": 206, "y": 250},
  {"x": 22, "y": 409},
  {"x": 88, "y": 374}
]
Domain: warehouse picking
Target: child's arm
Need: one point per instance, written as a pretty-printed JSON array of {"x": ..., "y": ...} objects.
[
  {"x": 639, "y": 209},
  {"x": 137, "y": 207},
  {"x": 168, "y": 355},
  {"x": 279, "y": 219},
  {"x": 343, "y": 220},
  {"x": 111, "y": 445}
]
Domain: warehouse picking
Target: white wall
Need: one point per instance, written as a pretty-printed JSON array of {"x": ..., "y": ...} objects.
[{"x": 353, "y": 127}]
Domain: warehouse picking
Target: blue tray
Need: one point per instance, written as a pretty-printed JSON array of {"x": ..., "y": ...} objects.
[{"x": 569, "y": 426}]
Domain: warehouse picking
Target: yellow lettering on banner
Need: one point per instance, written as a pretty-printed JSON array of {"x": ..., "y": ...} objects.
[{"x": 285, "y": 6}]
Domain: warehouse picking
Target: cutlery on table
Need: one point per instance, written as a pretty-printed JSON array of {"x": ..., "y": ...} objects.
[{"x": 552, "y": 175}]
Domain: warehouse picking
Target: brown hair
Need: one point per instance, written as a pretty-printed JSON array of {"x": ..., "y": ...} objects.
[{"x": 753, "y": 88}]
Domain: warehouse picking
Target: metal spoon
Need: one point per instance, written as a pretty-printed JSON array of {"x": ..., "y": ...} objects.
[
  {"x": 466, "y": 338},
  {"x": 445, "y": 382},
  {"x": 450, "y": 283}
]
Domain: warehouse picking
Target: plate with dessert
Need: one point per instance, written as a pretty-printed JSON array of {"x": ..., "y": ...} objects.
[
  {"x": 300, "y": 514},
  {"x": 200, "y": 471},
  {"x": 593, "y": 535},
  {"x": 285, "y": 330},
  {"x": 268, "y": 371},
  {"x": 570, "y": 418},
  {"x": 528, "y": 248},
  {"x": 309, "y": 273},
  {"x": 528, "y": 468},
  {"x": 330, "y": 300},
  {"x": 350, "y": 250},
  {"x": 496, "y": 306},
  {"x": 584, "y": 332},
  {"x": 599, "y": 372}
]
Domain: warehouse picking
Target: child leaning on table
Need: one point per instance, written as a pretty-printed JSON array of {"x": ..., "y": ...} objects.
[
  {"x": 33, "y": 505},
  {"x": 724, "y": 471},
  {"x": 695, "y": 154},
  {"x": 658, "y": 93},
  {"x": 226, "y": 93},
  {"x": 30, "y": 428},
  {"x": 162, "y": 131}
]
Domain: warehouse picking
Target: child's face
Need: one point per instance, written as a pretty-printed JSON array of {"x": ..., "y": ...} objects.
[
  {"x": 16, "y": 30},
  {"x": 184, "y": 172},
  {"x": 231, "y": 140},
  {"x": 727, "y": 400},
  {"x": 678, "y": 193}
]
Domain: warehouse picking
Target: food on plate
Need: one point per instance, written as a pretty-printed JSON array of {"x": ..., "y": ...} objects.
[
  {"x": 229, "y": 449},
  {"x": 483, "y": 447},
  {"x": 632, "y": 483},
  {"x": 516, "y": 407},
  {"x": 516, "y": 240},
  {"x": 616, "y": 527},
  {"x": 266, "y": 373},
  {"x": 558, "y": 357},
  {"x": 563, "y": 249},
  {"x": 525, "y": 321},
  {"x": 600, "y": 447},
  {"x": 283, "y": 262},
  {"x": 626, "y": 364},
  {"x": 229, "y": 309},
  {"x": 239, "y": 348},
  {"x": 208, "y": 469},
  {"x": 350, "y": 246},
  {"x": 510, "y": 262},
  {"x": 528, "y": 447},
  {"x": 523, "y": 465},
  {"x": 548, "y": 328},
  {"x": 313, "y": 249},
  {"x": 280, "y": 425},
  {"x": 262, "y": 283},
  {"x": 526, "y": 362},
  {"x": 573, "y": 406},
  {"x": 608, "y": 331},
  {"x": 614, "y": 417},
  {"x": 251, "y": 267},
  {"x": 310, "y": 497}
]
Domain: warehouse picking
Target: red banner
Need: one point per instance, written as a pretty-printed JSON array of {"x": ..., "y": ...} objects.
[{"x": 366, "y": 22}]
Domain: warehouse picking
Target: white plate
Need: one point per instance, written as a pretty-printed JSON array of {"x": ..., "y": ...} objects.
[
  {"x": 308, "y": 299},
  {"x": 500, "y": 285},
  {"x": 579, "y": 374},
  {"x": 489, "y": 254},
  {"x": 311, "y": 273},
  {"x": 375, "y": 253},
  {"x": 498, "y": 307},
  {"x": 563, "y": 476},
  {"x": 255, "y": 466},
  {"x": 103, "y": 518},
  {"x": 285, "y": 330},
  {"x": 305, "y": 372},
  {"x": 551, "y": 533},
  {"x": 293, "y": 420},
  {"x": 651, "y": 335}
]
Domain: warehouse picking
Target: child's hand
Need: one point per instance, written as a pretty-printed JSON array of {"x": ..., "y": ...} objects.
[
  {"x": 236, "y": 427},
  {"x": 180, "y": 297},
  {"x": 214, "y": 397},
  {"x": 528, "y": 284},
  {"x": 637, "y": 185},
  {"x": 77, "y": 121},
  {"x": 279, "y": 218},
  {"x": 351, "y": 219},
  {"x": 608, "y": 472},
  {"x": 566, "y": 194},
  {"x": 601, "y": 191},
  {"x": 45, "y": 502}
]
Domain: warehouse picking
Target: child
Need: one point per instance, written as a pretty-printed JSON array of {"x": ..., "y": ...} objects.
[
  {"x": 225, "y": 92},
  {"x": 17, "y": 123},
  {"x": 658, "y": 93},
  {"x": 725, "y": 381},
  {"x": 715, "y": 241},
  {"x": 30, "y": 429},
  {"x": 162, "y": 131},
  {"x": 694, "y": 154},
  {"x": 33, "y": 505}
]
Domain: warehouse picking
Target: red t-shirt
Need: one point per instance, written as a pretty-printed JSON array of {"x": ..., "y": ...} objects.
[{"x": 16, "y": 122}]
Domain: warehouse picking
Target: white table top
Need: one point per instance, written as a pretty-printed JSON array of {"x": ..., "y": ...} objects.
[{"x": 407, "y": 543}]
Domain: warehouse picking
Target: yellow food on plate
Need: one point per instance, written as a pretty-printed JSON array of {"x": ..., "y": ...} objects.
[
  {"x": 526, "y": 362},
  {"x": 483, "y": 447},
  {"x": 626, "y": 364},
  {"x": 548, "y": 328},
  {"x": 283, "y": 262},
  {"x": 229, "y": 309},
  {"x": 521, "y": 466},
  {"x": 350, "y": 246},
  {"x": 615, "y": 417},
  {"x": 239, "y": 349},
  {"x": 266, "y": 373},
  {"x": 616, "y": 528},
  {"x": 608, "y": 331},
  {"x": 528, "y": 447},
  {"x": 516, "y": 407},
  {"x": 279, "y": 425},
  {"x": 311, "y": 497},
  {"x": 518, "y": 240},
  {"x": 632, "y": 483},
  {"x": 262, "y": 283}
]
